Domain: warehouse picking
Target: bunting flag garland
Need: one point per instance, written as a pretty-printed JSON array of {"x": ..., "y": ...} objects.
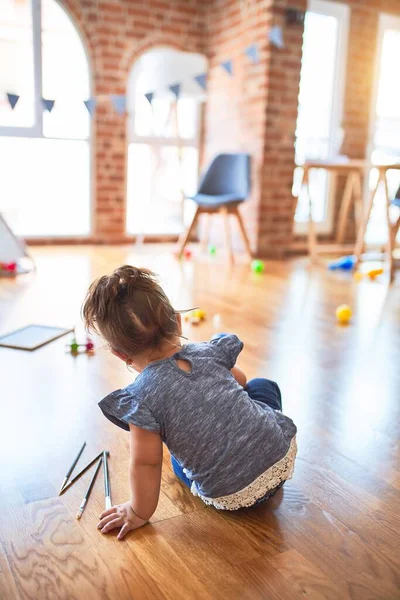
[
  {"x": 276, "y": 37},
  {"x": 48, "y": 104},
  {"x": 252, "y": 53},
  {"x": 201, "y": 80},
  {"x": 227, "y": 65},
  {"x": 119, "y": 103},
  {"x": 90, "y": 105},
  {"x": 175, "y": 89},
  {"x": 12, "y": 99}
]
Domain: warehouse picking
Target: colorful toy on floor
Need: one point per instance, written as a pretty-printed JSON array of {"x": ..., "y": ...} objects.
[
  {"x": 372, "y": 274},
  {"x": 344, "y": 314},
  {"x": 10, "y": 267},
  {"x": 187, "y": 253},
  {"x": 258, "y": 266},
  {"x": 212, "y": 250},
  {"x": 74, "y": 346},
  {"x": 196, "y": 316},
  {"x": 345, "y": 263}
]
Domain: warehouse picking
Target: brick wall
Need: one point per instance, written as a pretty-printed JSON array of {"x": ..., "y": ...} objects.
[
  {"x": 256, "y": 110},
  {"x": 271, "y": 210},
  {"x": 235, "y": 110},
  {"x": 253, "y": 111},
  {"x": 116, "y": 32}
]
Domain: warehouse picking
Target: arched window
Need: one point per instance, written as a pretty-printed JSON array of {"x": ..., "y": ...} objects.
[
  {"x": 44, "y": 156},
  {"x": 163, "y": 150}
]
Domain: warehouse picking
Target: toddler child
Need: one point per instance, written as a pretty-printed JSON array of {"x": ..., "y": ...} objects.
[{"x": 228, "y": 439}]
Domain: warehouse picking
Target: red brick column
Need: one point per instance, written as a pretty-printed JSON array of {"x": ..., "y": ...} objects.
[{"x": 277, "y": 205}]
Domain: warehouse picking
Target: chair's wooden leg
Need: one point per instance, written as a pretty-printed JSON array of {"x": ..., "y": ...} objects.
[
  {"x": 206, "y": 230},
  {"x": 359, "y": 246},
  {"x": 185, "y": 237},
  {"x": 243, "y": 234},
  {"x": 390, "y": 247},
  {"x": 228, "y": 242},
  {"x": 345, "y": 208}
]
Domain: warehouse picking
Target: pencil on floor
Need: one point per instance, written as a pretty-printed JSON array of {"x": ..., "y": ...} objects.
[
  {"x": 88, "y": 491},
  {"x": 78, "y": 475},
  {"x": 72, "y": 467},
  {"x": 107, "y": 489}
]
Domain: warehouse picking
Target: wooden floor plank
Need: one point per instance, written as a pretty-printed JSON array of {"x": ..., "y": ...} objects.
[{"x": 331, "y": 532}]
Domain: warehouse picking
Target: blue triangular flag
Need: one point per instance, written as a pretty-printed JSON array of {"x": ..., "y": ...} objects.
[
  {"x": 12, "y": 99},
  {"x": 48, "y": 104},
  {"x": 202, "y": 80},
  {"x": 227, "y": 65},
  {"x": 149, "y": 97},
  {"x": 252, "y": 53},
  {"x": 276, "y": 37},
  {"x": 90, "y": 105},
  {"x": 175, "y": 89},
  {"x": 119, "y": 103}
]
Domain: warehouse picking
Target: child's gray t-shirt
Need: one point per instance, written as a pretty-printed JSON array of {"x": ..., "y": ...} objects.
[{"x": 222, "y": 438}]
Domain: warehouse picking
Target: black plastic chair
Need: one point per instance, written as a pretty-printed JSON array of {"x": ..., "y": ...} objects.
[{"x": 224, "y": 186}]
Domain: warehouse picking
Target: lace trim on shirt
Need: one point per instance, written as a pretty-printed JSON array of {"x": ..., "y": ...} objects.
[{"x": 267, "y": 481}]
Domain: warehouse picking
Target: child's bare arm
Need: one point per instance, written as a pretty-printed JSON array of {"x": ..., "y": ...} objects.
[
  {"x": 239, "y": 376},
  {"x": 145, "y": 479},
  {"x": 145, "y": 470}
]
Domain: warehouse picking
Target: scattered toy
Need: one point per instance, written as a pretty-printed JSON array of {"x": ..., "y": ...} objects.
[
  {"x": 344, "y": 314},
  {"x": 187, "y": 254},
  {"x": 74, "y": 346},
  {"x": 8, "y": 268},
  {"x": 196, "y": 316},
  {"x": 212, "y": 250},
  {"x": 345, "y": 263},
  {"x": 258, "y": 266},
  {"x": 372, "y": 274}
]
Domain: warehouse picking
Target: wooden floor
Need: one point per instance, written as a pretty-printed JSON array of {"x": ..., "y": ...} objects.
[{"x": 332, "y": 532}]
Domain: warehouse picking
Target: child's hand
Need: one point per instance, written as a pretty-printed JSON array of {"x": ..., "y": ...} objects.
[{"x": 122, "y": 516}]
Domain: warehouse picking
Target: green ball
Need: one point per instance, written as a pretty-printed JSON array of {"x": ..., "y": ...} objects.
[
  {"x": 212, "y": 250},
  {"x": 257, "y": 266}
]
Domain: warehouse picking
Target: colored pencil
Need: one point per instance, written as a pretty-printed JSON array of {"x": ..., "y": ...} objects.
[
  {"x": 107, "y": 489},
  {"x": 88, "y": 491},
  {"x": 78, "y": 475},
  {"x": 72, "y": 467}
]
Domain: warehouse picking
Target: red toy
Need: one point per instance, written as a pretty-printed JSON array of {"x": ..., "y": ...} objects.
[
  {"x": 187, "y": 253},
  {"x": 9, "y": 267}
]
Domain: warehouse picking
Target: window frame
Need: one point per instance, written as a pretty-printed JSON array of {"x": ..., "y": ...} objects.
[
  {"x": 386, "y": 22},
  {"x": 36, "y": 130},
  {"x": 342, "y": 13},
  {"x": 159, "y": 141}
]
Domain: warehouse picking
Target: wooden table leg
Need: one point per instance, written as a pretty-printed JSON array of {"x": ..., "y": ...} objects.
[
  {"x": 312, "y": 236},
  {"x": 357, "y": 190},
  {"x": 358, "y": 249},
  {"x": 395, "y": 231},
  {"x": 389, "y": 225},
  {"x": 345, "y": 207}
]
